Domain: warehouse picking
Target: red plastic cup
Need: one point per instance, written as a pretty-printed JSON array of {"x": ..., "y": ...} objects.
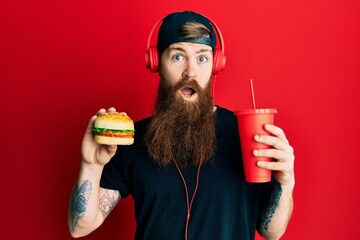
[{"x": 250, "y": 123}]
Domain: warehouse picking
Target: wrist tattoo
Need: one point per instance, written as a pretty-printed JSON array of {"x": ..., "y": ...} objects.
[
  {"x": 79, "y": 200},
  {"x": 108, "y": 201},
  {"x": 271, "y": 206}
]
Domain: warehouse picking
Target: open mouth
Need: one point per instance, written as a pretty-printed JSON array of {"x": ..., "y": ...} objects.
[{"x": 187, "y": 92}]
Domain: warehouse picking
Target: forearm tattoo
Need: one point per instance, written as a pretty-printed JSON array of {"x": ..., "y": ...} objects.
[
  {"x": 271, "y": 206},
  {"x": 108, "y": 201},
  {"x": 79, "y": 200}
]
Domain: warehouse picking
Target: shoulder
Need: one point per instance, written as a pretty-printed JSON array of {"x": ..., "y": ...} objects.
[
  {"x": 226, "y": 127},
  {"x": 225, "y": 118},
  {"x": 224, "y": 113},
  {"x": 142, "y": 123},
  {"x": 141, "y": 126}
]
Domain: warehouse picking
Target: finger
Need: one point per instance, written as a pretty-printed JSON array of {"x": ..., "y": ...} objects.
[
  {"x": 276, "y": 131},
  {"x": 279, "y": 155},
  {"x": 111, "y": 109},
  {"x": 275, "y": 142},
  {"x": 275, "y": 166},
  {"x": 111, "y": 149},
  {"x": 101, "y": 111}
]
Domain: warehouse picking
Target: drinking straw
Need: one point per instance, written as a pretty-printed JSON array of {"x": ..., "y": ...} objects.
[{"x": 252, "y": 94}]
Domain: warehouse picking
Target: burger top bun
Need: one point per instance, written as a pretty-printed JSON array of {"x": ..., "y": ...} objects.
[{"x": 114, "y": 120}]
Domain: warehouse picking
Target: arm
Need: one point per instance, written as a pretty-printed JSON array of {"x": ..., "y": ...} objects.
[
  {"x": 90, "y": 204},
  {"x": 279, "y": 207}
]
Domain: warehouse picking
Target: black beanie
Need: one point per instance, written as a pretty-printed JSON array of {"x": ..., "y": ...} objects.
[{"x": 172, "y": 24}]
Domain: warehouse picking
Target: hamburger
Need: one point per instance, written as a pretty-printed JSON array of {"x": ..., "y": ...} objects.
[{"x": 113, "y": 128}]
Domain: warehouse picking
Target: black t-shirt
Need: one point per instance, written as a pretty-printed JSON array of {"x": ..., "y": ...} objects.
[{"x": 225, "y": 206}]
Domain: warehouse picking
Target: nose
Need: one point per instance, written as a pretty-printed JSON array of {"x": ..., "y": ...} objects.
[{"x": 189, "y": 70}]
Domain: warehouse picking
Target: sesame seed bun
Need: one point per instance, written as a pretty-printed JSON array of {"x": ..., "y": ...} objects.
[{"x": 114, "y": 121}]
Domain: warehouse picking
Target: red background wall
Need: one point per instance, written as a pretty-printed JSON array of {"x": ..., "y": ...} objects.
[{"x": 60, "y": 61}]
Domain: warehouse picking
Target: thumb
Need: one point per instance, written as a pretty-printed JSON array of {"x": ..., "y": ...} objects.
[{"x": 90, "y": 125}]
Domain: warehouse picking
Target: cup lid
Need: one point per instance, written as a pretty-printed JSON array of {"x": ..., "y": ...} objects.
[{"x": 256, "y": 111}]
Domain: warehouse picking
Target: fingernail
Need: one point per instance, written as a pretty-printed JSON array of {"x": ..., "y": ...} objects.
[
  {"x": 257, "y": 137},
  {"x": 259, "y": 163},
  {"x": 256, "y": 152}
]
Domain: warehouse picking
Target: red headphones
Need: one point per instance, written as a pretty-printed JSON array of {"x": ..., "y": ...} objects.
[{"x": 152, "y": 55}]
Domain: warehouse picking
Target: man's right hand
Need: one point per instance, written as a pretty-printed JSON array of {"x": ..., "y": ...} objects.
[{"x": 91, "y": 151}]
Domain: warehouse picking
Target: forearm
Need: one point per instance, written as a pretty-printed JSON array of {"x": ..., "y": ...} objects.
[
  {"x": 84, "y": 214},
  {"x": 275, "y": 218}
]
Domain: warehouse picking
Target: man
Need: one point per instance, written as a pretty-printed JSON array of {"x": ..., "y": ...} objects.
[{"x": 184, "y": 169}]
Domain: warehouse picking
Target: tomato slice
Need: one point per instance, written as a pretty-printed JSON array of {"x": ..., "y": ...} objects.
[{"x": 116, "y": 134}]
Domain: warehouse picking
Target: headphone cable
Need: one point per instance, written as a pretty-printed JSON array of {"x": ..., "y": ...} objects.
[{"x": 188, "y": 203}]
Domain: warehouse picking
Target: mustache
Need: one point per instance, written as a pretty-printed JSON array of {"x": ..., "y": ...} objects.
[{"x": 188, "y": 82}]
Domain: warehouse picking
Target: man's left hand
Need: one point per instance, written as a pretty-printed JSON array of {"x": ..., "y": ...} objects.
[{"x": 282, "y": 153}]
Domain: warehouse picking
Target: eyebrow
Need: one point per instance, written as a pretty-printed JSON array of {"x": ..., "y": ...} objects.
[{"x": 180, "y": 49}]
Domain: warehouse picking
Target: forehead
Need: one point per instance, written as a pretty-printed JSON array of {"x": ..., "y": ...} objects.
[{"x": 190, "y": 47}]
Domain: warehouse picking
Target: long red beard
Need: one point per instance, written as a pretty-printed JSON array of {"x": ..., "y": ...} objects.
[{"x": 182, "y": 129}]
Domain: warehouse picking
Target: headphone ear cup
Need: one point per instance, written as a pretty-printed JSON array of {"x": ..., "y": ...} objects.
[
  {"x": 152, "y": 59},
  {"x": 219, "y": 62}
]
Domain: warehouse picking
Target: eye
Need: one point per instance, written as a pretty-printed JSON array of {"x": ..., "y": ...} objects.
[
  {"x": 178, "y": 57},
  {"x": 202, "y": 59}
]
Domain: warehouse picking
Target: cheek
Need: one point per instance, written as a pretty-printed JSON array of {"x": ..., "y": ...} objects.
[
  {"x": 168, "y": 75},
  {"x": 172, "y": 73},
  {"x": 205, "y": 77}
]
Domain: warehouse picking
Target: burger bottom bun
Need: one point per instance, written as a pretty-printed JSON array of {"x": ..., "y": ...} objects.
[{"x": 113, "y": 140}]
